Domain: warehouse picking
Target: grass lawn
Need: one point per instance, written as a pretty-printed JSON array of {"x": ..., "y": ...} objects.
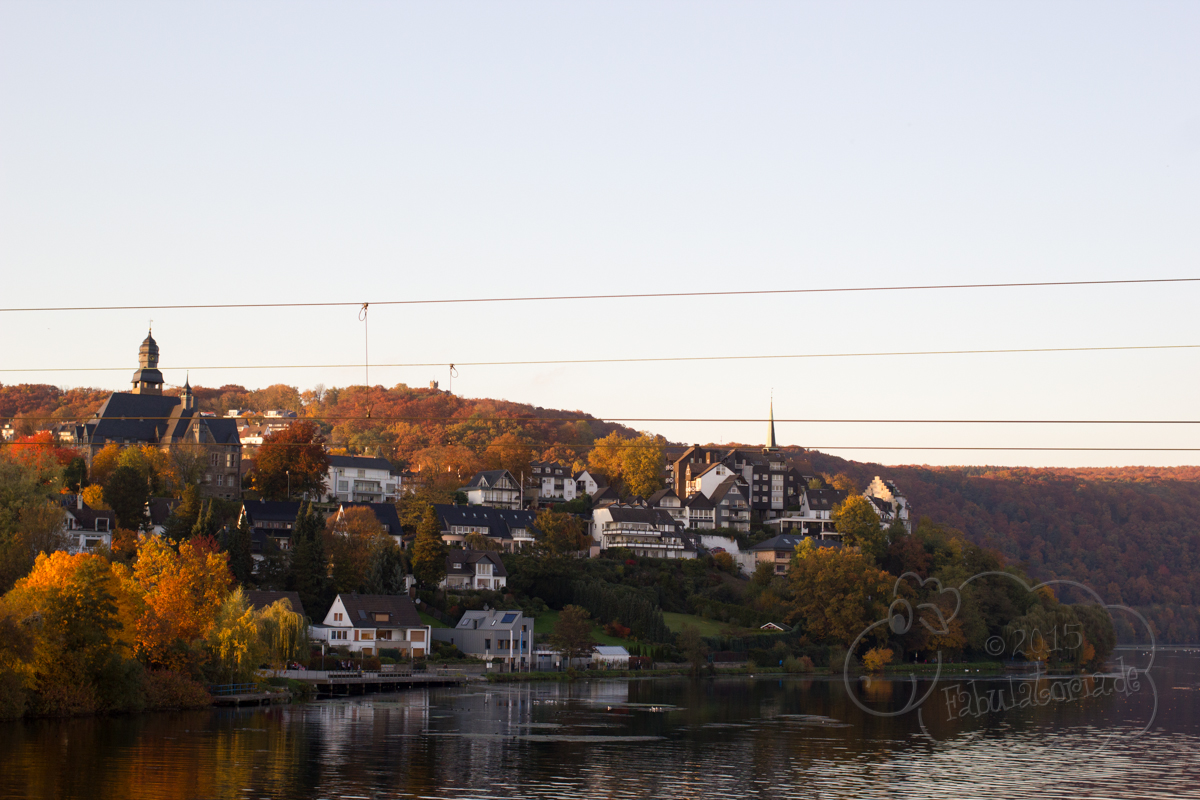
[
  {"x": 428, "y": 620},
  {"x": 707, "y": 627},
  {"x": 544, "y": 623}
]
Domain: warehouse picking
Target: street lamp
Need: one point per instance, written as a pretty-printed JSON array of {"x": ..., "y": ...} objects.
[{"x": 289, "y": 476}]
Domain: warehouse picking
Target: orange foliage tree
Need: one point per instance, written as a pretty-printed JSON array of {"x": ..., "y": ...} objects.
[{"x": 183, "y": 591}]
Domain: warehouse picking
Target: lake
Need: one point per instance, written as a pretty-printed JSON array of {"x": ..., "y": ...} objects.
[{"x": 766, "y": 737}]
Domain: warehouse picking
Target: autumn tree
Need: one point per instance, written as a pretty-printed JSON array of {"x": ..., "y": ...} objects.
[
  {"x": 572, "y": 634},
  {"x": 232, "y": 641},
  {"x": 692, "y": 646},
  {"x": 79, "y": 662},
  {"x": 510, "y": 451},
  {"x": 855, "y": 519},
  {"x": 429, "y": 551},
  {"x": 29, "y": 519},
  {"x": 632, "y": 465},
  {"x": 282, "y": 633},
  {"x": 292, "y": 459},
  {"x": 836, "y": 593},
  {"x": 559, "y": 533},
  {"x": 104, "y": 461},
  {"x": 183, "y": 591}
]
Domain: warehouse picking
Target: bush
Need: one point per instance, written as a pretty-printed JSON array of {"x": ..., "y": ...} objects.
[
  {"x": 877, "y": 658},
  {"x": 838, "y": 658},
  {"x": 803, "y": 664},
  {"x": 166, "y": 689},
  {"x": 12, "y": 696}
]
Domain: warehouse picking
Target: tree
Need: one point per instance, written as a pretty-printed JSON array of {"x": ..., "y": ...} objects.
[
  {"x": 349, "y": 540},
  {"x": 292, "y": 459},
  {"x": 608, "y": 458},
  {"x": 845, "y": 483},
  {"x": 241, "y": 555},
  {"x": 104, "y": 462},
  {"x": 75, "y": 475},
  {"x": 510, "y": 451},
  {"x": 233, "y": 642},
  {"x": 387, "y": 569},
  {"x": 126, "y": 492},
  {"x": 477, "y": 541},
  {"x": 693, "y": 648},
  {"x": 283, "y": 633},
  {"x": 572, "y": 634},
  {"x": 836, "y": 592},
  {"x": 309, "y": 568},
  {"x": 183, "y": 591},
  {"x": 643, "y": 465},
  {"x": 855, "y": 519},
  {"x": 559, "y": 533},
  {"x": 183, "y": 519},
  {"x": 429, "y": 551}
]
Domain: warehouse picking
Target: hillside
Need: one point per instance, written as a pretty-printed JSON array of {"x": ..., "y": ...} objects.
[{"x": 1132, "y": 533}]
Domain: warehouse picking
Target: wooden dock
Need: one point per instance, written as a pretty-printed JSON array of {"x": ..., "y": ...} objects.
[
  {"x": 346, "y": 683},
  {"x": 251, "y": 699}
]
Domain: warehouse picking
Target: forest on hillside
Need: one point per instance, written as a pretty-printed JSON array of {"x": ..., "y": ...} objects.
[{"x": 1131, "y": 533}]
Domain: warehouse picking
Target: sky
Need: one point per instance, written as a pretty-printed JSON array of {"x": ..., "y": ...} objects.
[{"x": 274, "y": 152}]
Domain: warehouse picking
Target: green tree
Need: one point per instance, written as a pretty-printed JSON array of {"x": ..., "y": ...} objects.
[
  {"x": 126, "y": 492},
  {"x": 691, "y": 644},
  {"x": 386, "y": 567},
  {"x": 559, "y": 533},
  {"x": 308, "y": 570},
  {"x": 233, "y": 642},
  {"x": 75, "y": 474},
  {"x": 241, "y": 554},
  {"x": 283, "y": 633},
  {"x": 291, "y": 460},
  {"x": 837, "y": 593},
  {"x": 179, "y": 525},
  {"x": 572, "y": 634},
  {"x": 429, "y": 551},
  {"x": 855, "y": 519}
]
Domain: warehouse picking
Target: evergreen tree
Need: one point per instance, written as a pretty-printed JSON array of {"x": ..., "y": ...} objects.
[
  {"x": 308, "y": 571},
  {"x": 429, "y": 551},
  {"x": 206, "y": 524},
  {"x": 241, "y": 559}
]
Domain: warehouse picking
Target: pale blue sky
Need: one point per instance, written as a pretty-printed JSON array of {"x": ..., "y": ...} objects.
[{"x": 166, "y": 153}]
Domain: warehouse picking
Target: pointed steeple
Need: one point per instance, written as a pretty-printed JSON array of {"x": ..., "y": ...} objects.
[{"x": 771, "y": 446}]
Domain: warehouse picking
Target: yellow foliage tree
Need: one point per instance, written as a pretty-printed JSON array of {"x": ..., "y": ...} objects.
[
  {"x": 838, "y": 592},
  {"x": 233, "y": 642}
]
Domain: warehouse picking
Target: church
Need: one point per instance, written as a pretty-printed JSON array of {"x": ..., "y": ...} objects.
[{"x": 144, "y": 415}]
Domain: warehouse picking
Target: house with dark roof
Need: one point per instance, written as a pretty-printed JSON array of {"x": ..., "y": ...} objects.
[
  {"x": 271, "y": 519},
  {"x": 589, "y": 482},
  {"x": 888, "y": 502},
  {"x": 508, "y": 528},
  {"x": 362, "y": 479},
  {"x": 474, "y": 569},
  {"x": 260, "y": 599},
  {"x": 731, "y": 504},
  {"x": 368, "y": 623},
  {"x": 491, "y": 634},
  {"x": 86, "y": 528},
  {"x": 146, "y": 416},
  {"x": 496, "y": 488},
  {"x": 649, "y": 532},
  {"x": 778, "y": 551}
]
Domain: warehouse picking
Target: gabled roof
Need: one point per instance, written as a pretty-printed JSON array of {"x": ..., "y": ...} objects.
[
  {"x": 361, "y": 610},
  {"x": 385, "y": 513},
  {"x": 261, "y": 599},
  {"x": 698, "y": 500},
  {"x": 498, "y": 521},
  {"x": 604, "y": 496},
  {"x": 787, "y": 541},
  {"x": 160, "y": 509},
  {"x": 726, "y": 486},
  {"x": 148, "y": 415},
  {"x": 494, "y": 619},
  {"x": 882, "y": 505},
  {"x": 223, "y": 431},
  {"x": 271, "y": 510},
  {"x": 87, "y": 516},
  {"x": 662, "y": 494},
  {"x": 600, "y": 480},
  {"x": 824, "y": 499},
  {"x": 648, "y": 516},
  {"x": 489, "y": 478},
  {"x": 361, "y": 462},
  {"x": 709, "y": 468},
  {"x": 462, "y": 562}
]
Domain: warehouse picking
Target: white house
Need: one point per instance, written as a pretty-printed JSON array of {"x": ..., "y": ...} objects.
[
  {"x": 491, "y": 634},
  {"x": 552, "y": 481},
  {"x": 474, "y": 569},
  {"x": 650, "y": 532},
  {"x": 707, "y": 480},
  {"x": 361, "y": 479},
  {"x": 496, "y": 488},
  {"x": 367, "y": 623},
  {"x": 589, "y": 483},
  {"x": 888, "y": 501},
  {"x": 86, "y": 528}
]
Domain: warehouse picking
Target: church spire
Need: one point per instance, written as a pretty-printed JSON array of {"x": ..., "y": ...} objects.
[{"x": 771, "y": 446}]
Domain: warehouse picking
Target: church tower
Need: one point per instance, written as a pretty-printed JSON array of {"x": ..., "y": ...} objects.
[
  {"x": 771, "y": 446},
  {"x": 147, "y": 379}
]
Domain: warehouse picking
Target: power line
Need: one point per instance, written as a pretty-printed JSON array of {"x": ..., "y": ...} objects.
[
  {"x": 646, "y": 295},
  {"x": 798, "y": 451},
  {"x": 777, "y": 420},
  {"x": 655, "y": 359}
]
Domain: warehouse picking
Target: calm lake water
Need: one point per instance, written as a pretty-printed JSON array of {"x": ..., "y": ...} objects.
[{"x": 729, "y": 737}]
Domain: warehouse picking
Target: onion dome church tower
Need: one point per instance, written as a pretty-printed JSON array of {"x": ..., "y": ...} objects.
[{"x": 147, "y": 379}]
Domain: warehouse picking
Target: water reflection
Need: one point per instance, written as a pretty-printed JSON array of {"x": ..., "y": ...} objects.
[{"x": 614, "y": 739}]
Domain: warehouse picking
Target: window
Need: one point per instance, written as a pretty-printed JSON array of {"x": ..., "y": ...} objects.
[
  {"x": 337, "y": 616},
  {"x": 212, "y": 458},
  {"x": 487, "y": 644},
  {"x": 368, "y": 635},
  {"x": 343, "y": 486},
  {"x": 229, "y": 459},
  {"x": 380, "y": 616},
  {"x": 362, "y": 473}
]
